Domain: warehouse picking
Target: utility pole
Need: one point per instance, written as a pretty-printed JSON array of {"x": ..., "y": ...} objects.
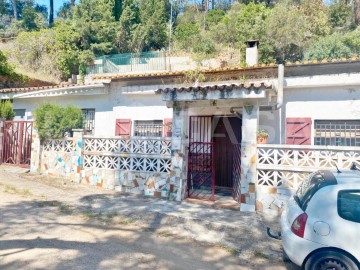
[
  {"x": 170, "y": 25},
  {"x": 170, "y": 30}
]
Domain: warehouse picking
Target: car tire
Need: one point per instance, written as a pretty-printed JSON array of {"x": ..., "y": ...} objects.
[{"x": 324, "y": 260}]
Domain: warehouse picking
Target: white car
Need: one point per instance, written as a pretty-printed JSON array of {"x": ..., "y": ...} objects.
[{"x": 320, "y": 227}]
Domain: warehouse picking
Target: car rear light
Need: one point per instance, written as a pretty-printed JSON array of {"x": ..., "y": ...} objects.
[{"x": 298, "y": 226}]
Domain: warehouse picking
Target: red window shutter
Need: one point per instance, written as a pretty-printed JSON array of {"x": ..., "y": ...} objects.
[
  {"x": 168, "y": 127},
  {"x": 298, "y": 131},
  {"x": 123, "y": 127}
]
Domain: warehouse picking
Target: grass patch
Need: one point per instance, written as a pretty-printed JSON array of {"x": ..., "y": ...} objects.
[
  {"x": 13, "y": 190},
  {"x": 165, "y": 233},
  {"x": 63, "y": 208},
  {"x": 89, "y": 214},
  {"x": 123, "y": 221},
  {"x": 259, "y": 254},
  {"x": 66, "y": 209},
  {"x": 148, "y": 229},
  {"x": 49, "y": 203},
  {"x": 232, "y": 250}
]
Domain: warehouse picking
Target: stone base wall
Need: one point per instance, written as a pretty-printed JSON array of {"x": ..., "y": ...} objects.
[
  {"x": 271, "y": 200},
  {"x": 56, "y": 163},
  {"x": 148, "y": 184}
]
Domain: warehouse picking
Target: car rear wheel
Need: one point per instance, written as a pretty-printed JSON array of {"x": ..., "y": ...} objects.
[{"x": 330, "y": 260}]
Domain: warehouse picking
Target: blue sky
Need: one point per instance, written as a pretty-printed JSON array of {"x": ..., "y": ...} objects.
[{"x": 57, "y": 3}]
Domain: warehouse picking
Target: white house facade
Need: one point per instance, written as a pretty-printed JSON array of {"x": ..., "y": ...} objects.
[{"x": 205, "y": 131}]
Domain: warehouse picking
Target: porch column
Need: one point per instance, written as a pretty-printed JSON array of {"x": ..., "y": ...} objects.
[
  {"x": 178, "y": 173},
  {"x": 35, "y": 152},
  {"x": 77, "y": 156},
  {"x": 248, "y": 157}
]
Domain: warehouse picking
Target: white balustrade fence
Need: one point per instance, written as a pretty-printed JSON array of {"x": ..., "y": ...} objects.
[
  {"x": 288, "y": 165},
  {"x": 61, "y": 145},
  {"x": 140, "y": 154}
]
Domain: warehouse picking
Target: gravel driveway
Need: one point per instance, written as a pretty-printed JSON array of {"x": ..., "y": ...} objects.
[{"x": 48, "y": 223}]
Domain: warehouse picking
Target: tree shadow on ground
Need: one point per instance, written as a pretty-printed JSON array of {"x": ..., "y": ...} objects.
[{"x": 53, "y": 235}]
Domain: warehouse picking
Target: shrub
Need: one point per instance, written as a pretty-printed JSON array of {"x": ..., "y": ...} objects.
[
  {"x": 6, "y": 110},
  {"x": 54, "y": 121},
  {"x": 328, "y": 47}
]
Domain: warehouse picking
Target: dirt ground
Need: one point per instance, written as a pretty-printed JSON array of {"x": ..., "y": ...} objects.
[{"x": 45, "y": 223}]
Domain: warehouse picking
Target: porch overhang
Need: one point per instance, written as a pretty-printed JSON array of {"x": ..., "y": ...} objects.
[
  {"x": 73, "y": 90},
  {"x": 250, "y": 90}
]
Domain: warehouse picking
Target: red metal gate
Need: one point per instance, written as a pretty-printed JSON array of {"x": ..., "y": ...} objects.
[
  {"x": 201, "y": 168},
  {"x": 16, "y": 143},
  {"x": 236, "y": 191}
]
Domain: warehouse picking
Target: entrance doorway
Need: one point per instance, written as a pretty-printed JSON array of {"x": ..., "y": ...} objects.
[
  {"x": 226, "y": 138},
  {"x": 214, "y": 157}
]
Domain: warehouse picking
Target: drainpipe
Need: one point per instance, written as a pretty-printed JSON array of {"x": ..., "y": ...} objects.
[
  {"x": 280, "y": 95},
  {"x": 280, "y": 87}
]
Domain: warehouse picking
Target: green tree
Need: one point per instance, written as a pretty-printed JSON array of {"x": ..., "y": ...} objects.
[
  {"x": 54, "y": 121},
  {"x": 7, "y": 111},
  {"x": 352, "y": 41},
  {"x": 117, "y": 9},
  {"x": 29, "y": 17},
  {"x": 213, "y": 17},
  {"x": 328, "y": 47},
  {"x": 65, "y": 11},
  {"x": 340, "y": 15},
  {"x": 5, "y": 67},
  {"x": 186, "y": 34},
  {"x": 152, "y": 33},
  {"x": 128, "y": 25},
  {"x": 292, "y": 26},
  {"x": 95, "y": 24}
]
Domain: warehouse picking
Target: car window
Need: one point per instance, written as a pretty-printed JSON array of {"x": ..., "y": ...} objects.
[
  {"x": 349, "y": 205},
  {"x": 311, "y": 185}
]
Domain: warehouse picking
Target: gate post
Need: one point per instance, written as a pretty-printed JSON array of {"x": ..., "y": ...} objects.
[
  {"x": 1, "y": 140},
  {"x": 77, "y": 155},
  {"x": 35, "y": 152},
  {"x": 178, "y": 173},
  {"x": 248, "y": 157}
]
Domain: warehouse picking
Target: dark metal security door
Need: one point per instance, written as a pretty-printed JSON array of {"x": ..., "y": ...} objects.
[
  {"x": 201, "y": 169},
  {"x": 236, "y": 190},
  {"x": 17, "y": 143}
]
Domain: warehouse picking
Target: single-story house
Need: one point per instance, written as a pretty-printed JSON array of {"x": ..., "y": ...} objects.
[{"x": 173, "y": 135}]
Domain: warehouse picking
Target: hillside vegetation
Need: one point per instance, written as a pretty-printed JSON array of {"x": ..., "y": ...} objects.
[{"x": 288, "y": 30}]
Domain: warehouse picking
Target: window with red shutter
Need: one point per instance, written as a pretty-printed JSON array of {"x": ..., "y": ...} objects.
[
  {"x": 298, "y": 131},
  {"x": 123, "y": 127},
  {"x": 168, "y": 127}
]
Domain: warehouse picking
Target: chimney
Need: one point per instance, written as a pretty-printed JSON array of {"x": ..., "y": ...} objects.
[{"x": 252, "y": 52}]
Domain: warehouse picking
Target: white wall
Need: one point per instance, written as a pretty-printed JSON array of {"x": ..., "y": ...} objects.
[
  {"x": 330, "y": 103},
  {"x": 108, "y": 107}
]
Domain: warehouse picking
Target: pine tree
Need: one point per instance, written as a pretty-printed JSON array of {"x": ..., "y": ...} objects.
[
  {"x": 95, "y": 22},
  {"x": 128, "y": 26},
  {"x": 117, "y": 9}
]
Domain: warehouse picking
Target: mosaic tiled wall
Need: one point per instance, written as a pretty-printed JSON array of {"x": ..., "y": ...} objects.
[
  {"x": 128, "y": 164},
  {"x": 57, "y": 157},
  {"x": 137, "y": 165}
]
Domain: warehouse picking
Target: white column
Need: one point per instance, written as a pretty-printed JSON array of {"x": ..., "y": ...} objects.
[{"x": 248, "y": 156}]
